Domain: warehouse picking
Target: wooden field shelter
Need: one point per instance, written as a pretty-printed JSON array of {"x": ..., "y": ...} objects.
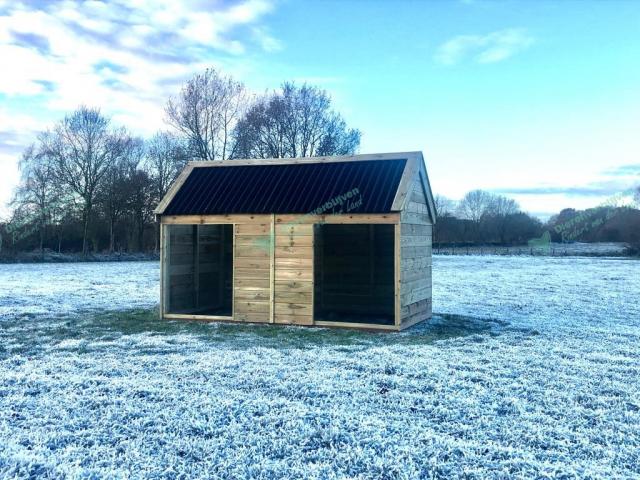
[{"x": 324, "y": 241}]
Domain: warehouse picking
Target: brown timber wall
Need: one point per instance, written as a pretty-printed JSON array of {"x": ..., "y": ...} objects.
[
  {"x": 416, "y": 232},
  {"x": 293, "y": 282},
  {"x": 273, "y": 264}
]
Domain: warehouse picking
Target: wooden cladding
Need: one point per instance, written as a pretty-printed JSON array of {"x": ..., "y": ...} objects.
[
  {"x": 252, "y": 272},
  {"x": 293, "y": 273},
  {"x": 416, "y": 232},
  {"x": 274, "y": 262}
]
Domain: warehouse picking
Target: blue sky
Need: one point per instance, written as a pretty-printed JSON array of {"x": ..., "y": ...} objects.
[{"x": 537, "y": 100}]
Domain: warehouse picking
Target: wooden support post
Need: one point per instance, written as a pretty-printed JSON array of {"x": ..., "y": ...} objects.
[
  {"x": 196, "y": 265},
  {"x": 272, "y": 269},
  {"x": 397, "y": 270},
  {"x": 222, "y": 267}
]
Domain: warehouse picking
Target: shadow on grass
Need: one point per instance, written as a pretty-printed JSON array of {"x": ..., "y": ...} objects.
[{"x": 87, "y": 332}]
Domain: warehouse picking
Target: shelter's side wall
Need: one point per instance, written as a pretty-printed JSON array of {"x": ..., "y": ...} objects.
[
  {"x": 293, "y": 276},
  {"x": 252, "y": 272},
  {"x": 415, "y": 258}
]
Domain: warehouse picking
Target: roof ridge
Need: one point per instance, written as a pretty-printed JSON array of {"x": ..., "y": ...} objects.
[{"x": 306, "y": 160}]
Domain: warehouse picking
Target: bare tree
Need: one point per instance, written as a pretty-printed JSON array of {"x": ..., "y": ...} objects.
[
  {"x": 83, "y": 146},
  {"x": 445, "y": 207},
  {"x": 206, "y": 112},
  {"x": 502, "y": 212},
  {"x": 502, "y": 206},
  {"x": 293, "y": 122},
  {"x": 338, "y": 139},
  {"x": 114, "y": 191},
  {"x": 38, "y": 192},
  {"x": 474, "y": 205},
  {"x": 166, "y": 156},
  {"x": 139, "y": 206}
]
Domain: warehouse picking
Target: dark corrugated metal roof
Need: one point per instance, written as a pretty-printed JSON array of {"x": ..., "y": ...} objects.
[{"x": 290, "y": 188}]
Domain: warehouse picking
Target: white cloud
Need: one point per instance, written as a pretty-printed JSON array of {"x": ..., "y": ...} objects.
[
  {"x": 490, "y": 48},
  {"x": 117, "y": 55},
  {"x": 126, "y": 57},
  {"x": 266, "y": 40}
]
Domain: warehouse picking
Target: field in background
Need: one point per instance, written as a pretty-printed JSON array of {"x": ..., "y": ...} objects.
[
  {"x": 530, "y": 368},
  {"x": 576, "y": 249}
]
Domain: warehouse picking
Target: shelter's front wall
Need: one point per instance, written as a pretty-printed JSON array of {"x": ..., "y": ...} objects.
[
  {"x": 416, "y": 232},
  {"x": 273, "y": 263}
]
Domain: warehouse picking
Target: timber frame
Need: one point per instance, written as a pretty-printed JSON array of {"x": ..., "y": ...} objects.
[{"x": 273, "y": 254}]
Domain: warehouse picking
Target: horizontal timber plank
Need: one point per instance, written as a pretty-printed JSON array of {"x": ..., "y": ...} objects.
[
  {"x": 182, "y": 316},
  {"x": 416, "y": 252},
  {"x": 262, "y": 241},
  {"x": 360, "y": 326},
  {"x": 291, "y": 308},
  {"x": 213, "y": 219},
  {"x": 251, "y": 273},
  {"x": 285, "y": 319},
  {"x": 305, "y": 160},
  {"x": 242, "y": 306},
  {"x": 293, "y": 286},
  {"x": 408, "y": 276},
  {"x": 416, "y": 218},
  {"x": 251, "y": 251},
  {"x": 293, "y": 262},
  {"x": 293, "y": 229},
  {"x": 252, "y": 262},
  {"x": 417, "y": 284},
  {"x": 295, "y": 297},
  {"x": 294, "y": 274},
  {"x": 416, "y": 263},
  {"x": 420, "y": 306},
  {"x": 251, "y": 283},
  {"x": 252, "y": 317},
  {"x": 253, "y": 229},
  {"x": 257, "y": 294},
  {"x": 414, "y": 207},
  {"x": 337, "y": 219},
  {"x": 294, "y": 240},
  {"x": 414, "y": 319},
  {"x": 415, "y": 296},
  {"x": 294, "y": 252},
  {"x": 415, "y": 241}
]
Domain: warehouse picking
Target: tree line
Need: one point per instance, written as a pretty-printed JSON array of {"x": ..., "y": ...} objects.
[
  {"x": 483, "y": 218},
  {"x": 89, "y": 185}
]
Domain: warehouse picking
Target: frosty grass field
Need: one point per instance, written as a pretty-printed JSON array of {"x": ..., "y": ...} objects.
[{"x": 529, "y": 369}]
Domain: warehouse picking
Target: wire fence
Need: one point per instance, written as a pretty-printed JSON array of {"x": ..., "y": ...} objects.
[{"x": 550, "y": 250}]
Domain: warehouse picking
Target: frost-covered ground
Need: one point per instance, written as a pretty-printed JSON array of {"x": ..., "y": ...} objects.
[
  {"x": 530, "y": 369},
  {"x": 55, "y": 289}
]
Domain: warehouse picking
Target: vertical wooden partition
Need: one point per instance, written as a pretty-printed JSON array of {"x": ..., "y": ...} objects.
[
  {"x": 252, "y": 272},
  {"x": 293, "y": 279}
]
